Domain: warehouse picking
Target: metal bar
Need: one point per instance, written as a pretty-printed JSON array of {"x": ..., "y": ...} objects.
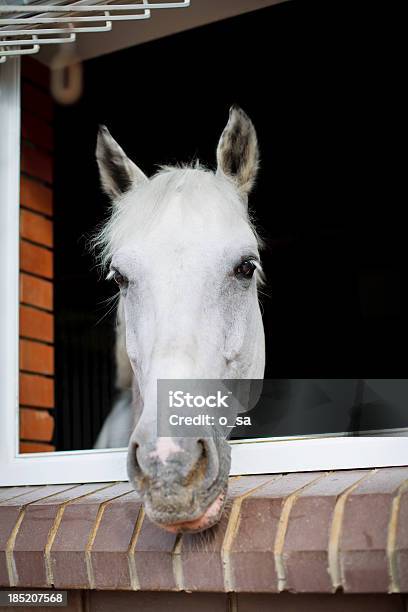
[
  {"x": 34, "y": 49},
  {"x": 61, "y": 18},
  {"x": 72, "y": 19},
  {"x": 104, "y": 28},
  {"x": 41, "y": 41},
  {"x": 60, "y": 10},
  {"x": 35, "y": 29},
  {"x": 49, "y": 8}
]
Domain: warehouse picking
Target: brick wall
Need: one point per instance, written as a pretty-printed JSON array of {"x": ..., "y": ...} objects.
[
  {"x": 36, "y": 261},
  {"x": 344, "y": 531}
]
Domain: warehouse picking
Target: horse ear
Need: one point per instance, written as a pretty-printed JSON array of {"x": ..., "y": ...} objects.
[
  {"x": 117, "y": 172},
  {"x": 237, "y": 151}
]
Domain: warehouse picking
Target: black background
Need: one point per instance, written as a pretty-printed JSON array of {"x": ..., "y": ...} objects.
[{"x": 324, "y": 85}]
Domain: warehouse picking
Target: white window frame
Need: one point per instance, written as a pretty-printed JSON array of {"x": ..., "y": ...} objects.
[{"x": 248, "y": 457}]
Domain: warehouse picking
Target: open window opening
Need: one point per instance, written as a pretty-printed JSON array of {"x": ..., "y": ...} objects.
[{"x": 325, "y": 203}]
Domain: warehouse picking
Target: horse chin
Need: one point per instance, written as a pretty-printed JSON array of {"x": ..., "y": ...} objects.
[{"x": 208, "y": 519}]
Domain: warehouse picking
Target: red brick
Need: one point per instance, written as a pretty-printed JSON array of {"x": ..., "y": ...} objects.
[
  {"x": 78, "y": 521},
  {"x": 36, "y": 72},
  {"x": 201, "y": 554},
  {"x": 37, "y": 391},
  {"x": 32, "y": 536},
  {"x": 36, "y": 131},
  {"x": 36, "y": 447},
  {"x": 109, "y": 553},
  {"x": 401, "y": 547},
  {"x": 36, "y": 259},
  {"x": 36, "y": 357},
  {"x": 363, "y": 542},
  {"x": 37, "y": 101},
  {"x": 36, "y": 228},
  {"x": 36, "y": 196},
  {"x": 153, "y": 557},
  {"x": 36, "y": 425},
  {"x": 251, "y": 557},
  {"x": 36, "y": 292},
  {"x": 36, "y": 324},
  {"x": 9, "y": 513},
  {"x": 36, "y": 163},
  {"x": 306, "y": 547}
]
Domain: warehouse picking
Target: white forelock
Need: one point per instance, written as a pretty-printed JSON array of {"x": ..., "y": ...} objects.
[{"x": 136, "y": 211}]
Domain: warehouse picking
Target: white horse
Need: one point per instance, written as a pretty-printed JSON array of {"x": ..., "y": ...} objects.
[{"x": 185, "y": 255}]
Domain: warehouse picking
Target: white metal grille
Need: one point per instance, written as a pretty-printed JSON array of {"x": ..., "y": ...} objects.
[{"x": 28, "y": 24}]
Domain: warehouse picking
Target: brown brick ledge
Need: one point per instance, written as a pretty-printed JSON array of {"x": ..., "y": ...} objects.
[{"x": 305, "y": 532}]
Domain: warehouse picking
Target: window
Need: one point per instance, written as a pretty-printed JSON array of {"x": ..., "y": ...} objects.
[{"x": 334, "y": 308}]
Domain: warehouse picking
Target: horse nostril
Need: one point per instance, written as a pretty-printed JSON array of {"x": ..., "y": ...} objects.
[
  {"x": 203, "y": 455},
  {"x": 198, "y": 472},
  {"x": 205, "y": 469},
  {"x": 208, "y": 461},
  {"x": 202, "y": 463}
]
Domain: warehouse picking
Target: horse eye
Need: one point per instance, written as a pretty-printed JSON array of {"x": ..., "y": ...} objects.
[
  {"x": 245, "y": 269},
  {"x": 119, "y": 279}
]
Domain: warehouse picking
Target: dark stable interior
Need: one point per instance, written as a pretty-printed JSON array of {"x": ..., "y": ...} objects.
[{"x": 323, "y": 83}]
